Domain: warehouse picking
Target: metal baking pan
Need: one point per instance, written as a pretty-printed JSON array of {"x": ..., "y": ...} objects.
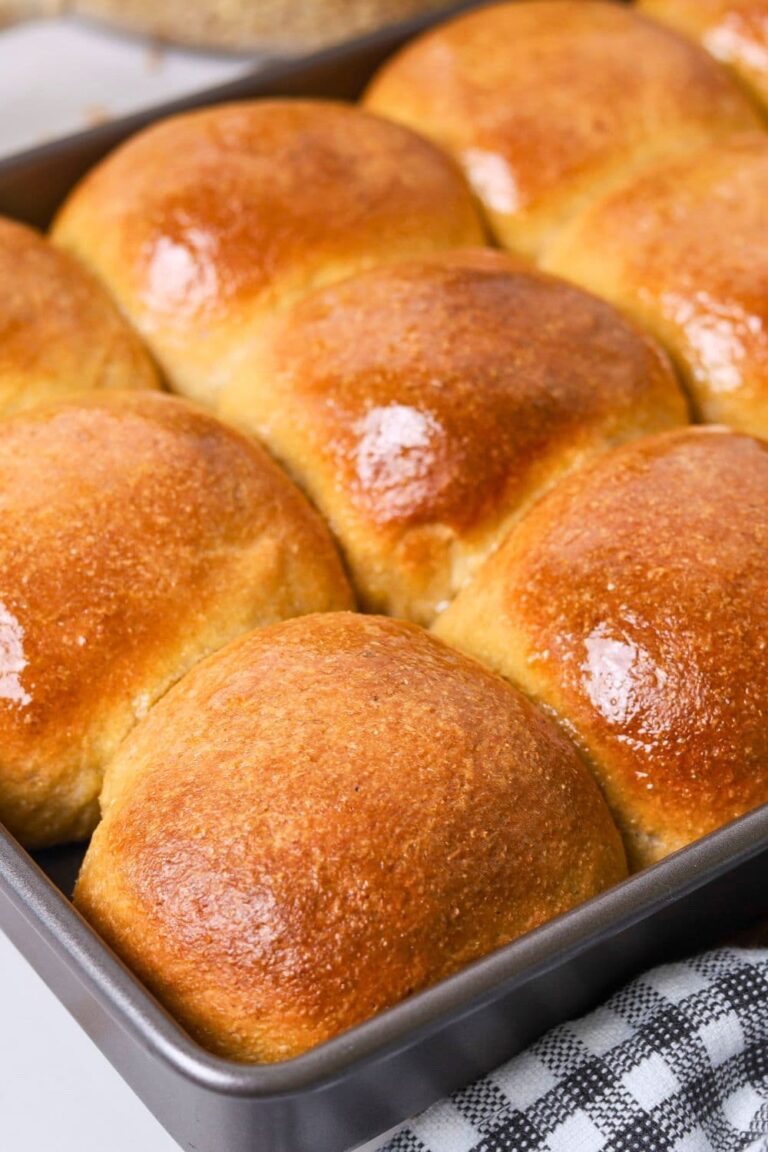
[{"x": 373, "y": 1077}]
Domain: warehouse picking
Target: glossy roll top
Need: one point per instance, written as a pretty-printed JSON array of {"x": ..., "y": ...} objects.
[
  {"x": 547, "y": 104},
  {"x": 684, "y": 249},
  {"x": 424, "y": 405},
  {"x": 136, "y": 536},
  {"x": 204, "y": 224},
  {"x": 734, "y": 31},
  {"x": 59, "y": 330},
  {"x": 326, "y": 816},
  {"x": 633, "y": 601}
]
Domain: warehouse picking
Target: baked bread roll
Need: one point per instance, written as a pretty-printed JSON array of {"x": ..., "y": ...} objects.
[
  {"x": 137, "y": 535},
  {"x": 59, "y": 330},
  {"x": 549, "y": 104},
  {"x": 684, "y": 249},
  {"x": 327, "y": 816},
  {"x": 734, "y": 31},
  {"x": 423, "y": 405},
  {"x": 248, "y": 25},
  {"x": 633, "y": 602},
  {"x": 203, "y": 225}
]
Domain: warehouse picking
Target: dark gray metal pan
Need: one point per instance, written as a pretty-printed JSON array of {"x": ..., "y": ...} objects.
[
  {"x": 370, "y": 1079},
  {"x": 375, "y": 1076}
]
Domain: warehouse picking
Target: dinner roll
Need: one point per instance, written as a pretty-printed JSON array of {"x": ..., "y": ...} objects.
[
  {"x": 204, "y": 224},
  {"x": 735, "y": 31},
  {"x": 137, "y": 535},
  {"x": 327, "y": 816},
  {"x": 59, "y": 330},
  {"x": 633, "y": 602},
  {"x": 284, "y": 26},
  {"x": 547, "y": 104},
  {"x": 684, "y": 249},
  {"x": 423, "y": 405}
]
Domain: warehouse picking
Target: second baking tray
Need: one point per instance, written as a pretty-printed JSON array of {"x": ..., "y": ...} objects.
[{"x": 375, "y": 1076}]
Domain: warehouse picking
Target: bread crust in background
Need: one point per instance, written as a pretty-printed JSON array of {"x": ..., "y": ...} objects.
[
  {"x": 548, "y": 104},
  {"x": 60, "y": 331},
  {"x": 733, "y": 31},
  {"x": 684, "y": 250},
  {"x": 137, "y": 535},
  {"x": 253, "y": 25},
  {"x": 633, "y": 602},
  {"x": 424, "y": 405},
  {"x": 205, "y": 224},
  {"x": 327, "y": 816}
]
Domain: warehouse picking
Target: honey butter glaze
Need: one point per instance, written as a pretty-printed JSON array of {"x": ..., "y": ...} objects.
[
  {"x": 326, "y": 816},
  {"x": 632, "y": 601},
  {"x": 547, "y": 104},
  {"x": 205, "y": 223},
  {"x": 734, "y": 31},
  {"x": 136, "y": 536},
  {"x": 60, "y": 331},
  {"x": 684, "y": 250},
  {"x": 423, "y": 405}
]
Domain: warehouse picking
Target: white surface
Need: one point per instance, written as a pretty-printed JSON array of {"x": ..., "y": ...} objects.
[
  {"x": 57, "y": 1092},
  {"x": 61, "y": 76}
]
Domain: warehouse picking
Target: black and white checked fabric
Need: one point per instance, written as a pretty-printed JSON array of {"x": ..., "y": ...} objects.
[{"x": 675, "y": 1062}]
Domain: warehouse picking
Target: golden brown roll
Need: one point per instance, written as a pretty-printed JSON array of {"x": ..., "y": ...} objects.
[
  {"x": 548, "y": 104},
  {"x": 204, "y": 224},
  {"x": 327, "y": 816},
  {"x": 684, "y": 249},
  {"x": 59, "y": 330},
  {"x": 633, "y": 602},
  {"x": 423, "y": 405},
  {"x": 734, "y": 31},
  {"x": 137, "y": 535}
]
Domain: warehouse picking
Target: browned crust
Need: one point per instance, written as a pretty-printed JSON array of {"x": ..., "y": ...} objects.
[
  {"x": 206, "y": 223},
  {"x": 423, "y": 405},
  {"x": 684, "y": 249},
  {"x": 59, "y": 330},
  {"x": 734, "y": 31},
  {"x": 136, "y": 536},
  {"x": 548, "y": 104},
  {"x": 633, "y": 602},
  {"x": 327, "y": 816}
]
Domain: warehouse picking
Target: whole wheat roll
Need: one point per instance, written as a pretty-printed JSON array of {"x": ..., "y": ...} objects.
[
  {"x": 632, "y": 602},
  {"x": 424, "y": 405},
  {"x": 327, "y": 816},
  {"x": 547, "y": 104},
  {"x": 137, "y": 535},
  {"x": 733, "y": 31},
  {"x": 684, "y": 250},
  {"x": 205, "y": 224},
  {"x": 284, "y": 26},
  {"x": 60, "y": 332}
]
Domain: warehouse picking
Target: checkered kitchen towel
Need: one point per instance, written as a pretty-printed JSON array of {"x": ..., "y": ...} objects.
[{"x": 675, "y": 1062}]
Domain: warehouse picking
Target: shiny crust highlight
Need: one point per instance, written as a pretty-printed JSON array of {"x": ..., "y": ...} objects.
[
  {"x": 327, "y": 816},
  {"x": 632, "y": 602},
  {"x": 137, "y": 535}
]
